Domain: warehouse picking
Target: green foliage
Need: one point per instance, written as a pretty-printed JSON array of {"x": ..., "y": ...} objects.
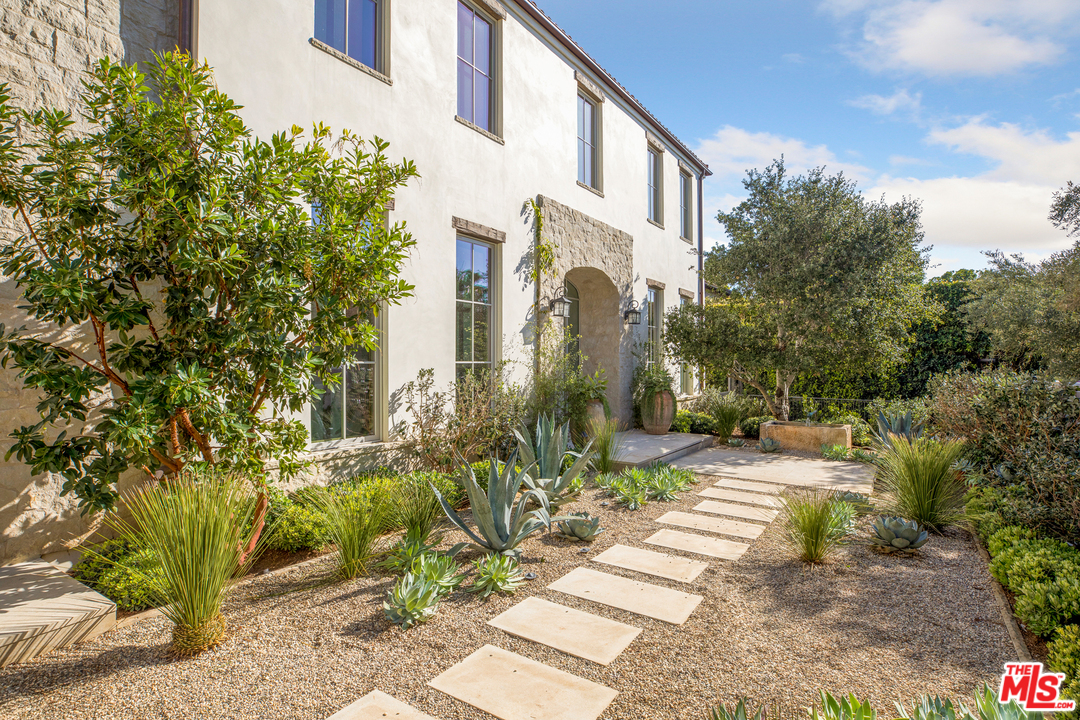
[
  {"x": 497, "y": 574},
  {"x": 635, "y": 486},
  {"x": 580, "y": 526},
  {"x": 606, "y": 443},
  {"x": 692, "y": 422},
  {"x": 919, "y": 408},
  {"x": 1043, "y": 573},
  {"x": 185, "y": 250},
  {"x": 1023, "y": 432},
  {"x": 896, "y": 427},
  {"x": 119, "y": 570},
  {"x": 751, "y": 426},
  {"x": 558, "y": 386},
  {"x": 298, "y": 528},
  {"x": 920, "y": 483},
  {"x": 868, "y": 457},
  {"x": 356, "y": 520},
  {"x": 414, "y": 599},
  {"x": 815, "y": 524},
  {"x": 649, "y": 380},
  {"x": 769, "y": 445},
  {"x": 1064, "y": 657},
  {"x": 415, "y": 506},
  {"x": 736, "y": 442},
  {"x": 554, "y": 467},
  {"x": 1007, "y": 537},
  {"x": 819, "y": 277},
  {"x": 500, "y": 513},
  {"x": 861, "y": 503},
  {"x": 842, "y": 708},
  {"x": 1046, "y": 606},
  {"x": 403, "y": 553},
  {"x": 835, "y": 452},
  {"x": 440, "y": 569},
  {"x": 727, "y": 419},
  {"x": 1033, "y": 560},
  {"x": 741, "y": 711},
  {"x": 196, "y": 526},
  {"x": 893, "y": 534},
  {"x": 663, "y": 486},
  {"x": 861, "y": 433},
  {"x": 932, "y": 708},
  {"x": 631, "y": 496}
]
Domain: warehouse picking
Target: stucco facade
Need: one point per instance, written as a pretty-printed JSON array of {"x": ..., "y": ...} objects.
[{"x": 473, "y": 184}]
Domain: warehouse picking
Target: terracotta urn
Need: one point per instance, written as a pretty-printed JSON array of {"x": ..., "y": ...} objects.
[{"x": 657, "y": 419}]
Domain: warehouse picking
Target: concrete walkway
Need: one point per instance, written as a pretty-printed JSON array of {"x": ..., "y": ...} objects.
[
  {"x": 639, "y": 449},
  {"x": 781, "y": 469}
]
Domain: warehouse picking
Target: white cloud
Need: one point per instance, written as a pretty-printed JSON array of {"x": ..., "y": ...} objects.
[
  {"x": 1033, "y": 157},
  {"x": 958, "y": 37},
  {"x": 732, "y": 151},
  {"x": 900, "y": 102}
]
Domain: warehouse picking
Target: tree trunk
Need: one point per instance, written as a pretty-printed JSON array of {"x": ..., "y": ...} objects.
[
  {"x": 782, "y": 408},
  {"x": 259, "y": 521}
]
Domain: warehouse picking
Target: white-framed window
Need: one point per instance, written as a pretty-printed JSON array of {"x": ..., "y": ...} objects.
[
  {"x": 347, "y": 409},
  {"x": 475, "y": 312},
  {"x": 476, "y": 67},
  {"x": 656, "y": 186},
  {"x": 587, "y": 132},
  {"x": 655, "y": 324},
  {"x": 356, "y": 28},
  {"x": 686, "y": 206}
]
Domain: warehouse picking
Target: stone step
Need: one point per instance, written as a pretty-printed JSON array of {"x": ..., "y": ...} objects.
[
  {"x": 659, "y": 603},
  {"x": 712, "y": 524},
  {"x": 512, "y": 687},
  {"x": 42, "y": 609},
  {"x": 577, "y": 633},
  {"x": 377, "y": 705},
  {"x": 688, "y": 542},
  {"x": 652, "y": 563},
  {"x": 740, "y": 496},
  {"x": 733, "y": 484},
  {"x": 736, "y": 511}
]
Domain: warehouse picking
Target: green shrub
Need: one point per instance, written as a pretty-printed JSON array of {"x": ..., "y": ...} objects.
[
  {"x": 815, "y": 524},
  {"x": 1046, "y": 606},
  {"x": 692, "y": 422},
  {"x": 1007, "y": 537},
  {"x": 835, "y": 452},
  {"x": 119, "y": 570},
  {"x": 918, "y": 407},
  {"x": 1064, "y": 657},
  {"x": 298, "y": 528},
  {"x": 1034, "y": 561},
  {"x": 921, "y": 484},
  {"x": 981, "y": 508},
  {"x": 861, "y": 434},
  {"x": 751, "y": 426},
  {"x": 356, "y": 520},
  {"x": 606, "y": 443}
]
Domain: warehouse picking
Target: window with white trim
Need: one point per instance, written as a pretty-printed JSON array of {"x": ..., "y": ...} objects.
[{"x": 475, "y": 307}]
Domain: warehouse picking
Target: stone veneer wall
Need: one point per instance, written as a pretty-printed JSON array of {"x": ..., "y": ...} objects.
[
  {"x": 590, "y": 254},
  {"x": 46, "y": 47}
]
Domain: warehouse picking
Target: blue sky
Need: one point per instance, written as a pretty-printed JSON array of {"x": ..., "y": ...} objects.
[{"x": 972, "y": 106}]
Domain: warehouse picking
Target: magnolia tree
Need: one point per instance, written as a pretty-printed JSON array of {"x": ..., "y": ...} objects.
[
  {"x": 813, "y": 277},
  {"x": 184, "y": 251}
]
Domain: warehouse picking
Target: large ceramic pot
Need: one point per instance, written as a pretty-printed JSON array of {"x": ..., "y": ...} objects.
[
  {"x": 594, "y": 410},
  {"x": 657, "y": 419}
]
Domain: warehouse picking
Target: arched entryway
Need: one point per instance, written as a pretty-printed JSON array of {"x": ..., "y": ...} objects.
[{"x": 596, "y": 320}]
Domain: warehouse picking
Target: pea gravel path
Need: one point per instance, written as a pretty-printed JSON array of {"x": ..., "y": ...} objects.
[{"x": 770, "y": 628}]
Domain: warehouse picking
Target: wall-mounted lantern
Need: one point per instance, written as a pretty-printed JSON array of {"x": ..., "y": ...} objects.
[
  {"x": 633, "y": 313},
  {"x": 560, "y": 307}
]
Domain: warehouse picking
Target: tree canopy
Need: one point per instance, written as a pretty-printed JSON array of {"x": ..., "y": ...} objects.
[
  {"x": 814, "y": 277},
  {"x": 181, "y": 301}
]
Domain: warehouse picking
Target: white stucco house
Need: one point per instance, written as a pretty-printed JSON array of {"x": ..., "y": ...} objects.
[{"x": 495, "y": 105}]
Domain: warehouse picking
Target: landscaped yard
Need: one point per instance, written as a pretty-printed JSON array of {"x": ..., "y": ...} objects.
[{"x": 303, "y": 645}]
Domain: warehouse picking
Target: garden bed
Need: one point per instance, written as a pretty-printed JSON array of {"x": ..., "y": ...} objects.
[{"x": 302, "y": 646}]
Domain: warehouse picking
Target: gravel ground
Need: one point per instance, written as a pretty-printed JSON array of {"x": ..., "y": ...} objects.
[{"x": 301, "y": 646}]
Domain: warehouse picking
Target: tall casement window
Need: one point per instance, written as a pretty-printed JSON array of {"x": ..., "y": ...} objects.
[
  {"x": 656, "y": 179},
  {"x": 353, "y": 27},
  {"x": 346, "y": 409},
  {"x": 655, "y": 324},
  {"x": 586, "y": 142},
  {"x": 475, "y": 301},
  {"x": 686, "y": 206},
  {"x": 686, "y": 373},
  {"x": 474, "y": 71}
]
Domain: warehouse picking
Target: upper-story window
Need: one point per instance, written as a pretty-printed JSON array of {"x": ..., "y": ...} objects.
[
  {"x": 656, "y": 184},
  {"x": 475, "y": 68},
  {"x": 353, "y": 27},
  {"x": 686, "y": 206},
  {"x": 586, "y": 142}
]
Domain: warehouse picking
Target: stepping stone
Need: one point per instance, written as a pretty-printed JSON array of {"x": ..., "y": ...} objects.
[
  {"x": 737, "y": 511},
  {"x": 733, "y": 484},
  {"x": 652, "y": 563},
  {"x": 710, "y": 524},
  {"x": 740, "y": 496},
  {"x": 578, "y": 633},
  {"x": 377, "y": 705},
  {"x": 687, "y": 542},
  {"x": 512, "y": 687},
  {"x": 653, "y": 601}
]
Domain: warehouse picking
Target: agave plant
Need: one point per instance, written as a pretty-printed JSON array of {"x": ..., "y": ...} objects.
[
  {"x": 843, "y": 708},
  {"x": 633, "y": 497},
  {"x": 403, "y": 553},
  {"x": 439, "y": 569},
  {"x": 897, "y": 425},
  {"x": 864, "y": 456},
  {"x": 932, "y": 708},
  {"x": 663, "y": 486},
  {"x": 500, "y": 514},
  {"x": 580, "y": 526},
  {"x": 605, "y": 479},
  {"x": 987, "y": 707},
  {"x": 414, "y": 599},
  {"x": 548, "y": 453},
  {"x": 894, "y": 533},
  {"x": 741, "y": 711},
  {"x": 860, "y": 502},
  {"x": 736, "y": 442},
  {"x": 496, "y": 573},
  {"x": 835, "y": 452},
  {"x": 769, "y": 445}
]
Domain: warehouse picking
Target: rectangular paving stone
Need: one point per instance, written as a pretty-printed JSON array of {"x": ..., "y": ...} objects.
[
  {"x": 688, "y": 542},
  {"x": 733, "y": 484},
  {"x": 652, "y": 563},
  {"x": 736, "y": 511},
  {"x": 512, "y": 687},
  {"x": 578, "y": 633},
  {"x": 740, "y": 496},
  {"x": 377, "y": 705},
  {"x": 653, "y": 601},
  {"x": 712, "y": 524}
]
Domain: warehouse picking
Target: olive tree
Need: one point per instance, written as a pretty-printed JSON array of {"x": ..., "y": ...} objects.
[
  {"x": 813, "y": 277},
  {"x": 181, "y": 303}
]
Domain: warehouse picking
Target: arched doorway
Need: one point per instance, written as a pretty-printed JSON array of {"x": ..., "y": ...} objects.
[
  {"x": 573, "y": 321},
  {"x": 595, "y": 320}
]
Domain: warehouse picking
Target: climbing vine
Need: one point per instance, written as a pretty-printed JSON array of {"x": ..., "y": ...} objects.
[{"x": 543, "y": 250}]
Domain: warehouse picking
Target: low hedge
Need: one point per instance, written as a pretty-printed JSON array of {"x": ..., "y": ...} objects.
[
  {"x": 1064, "y": 657},
  {"x": 116, "y": 569},
  {"x": 693, "y": 422},
  {"x": 751, "y": 427}
]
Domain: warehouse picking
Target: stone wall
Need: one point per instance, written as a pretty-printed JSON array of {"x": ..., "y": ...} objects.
[{"x": 46, "y": 48}]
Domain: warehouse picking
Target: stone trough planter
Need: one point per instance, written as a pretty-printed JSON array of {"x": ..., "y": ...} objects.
[{"x": 809, "y": 438}]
